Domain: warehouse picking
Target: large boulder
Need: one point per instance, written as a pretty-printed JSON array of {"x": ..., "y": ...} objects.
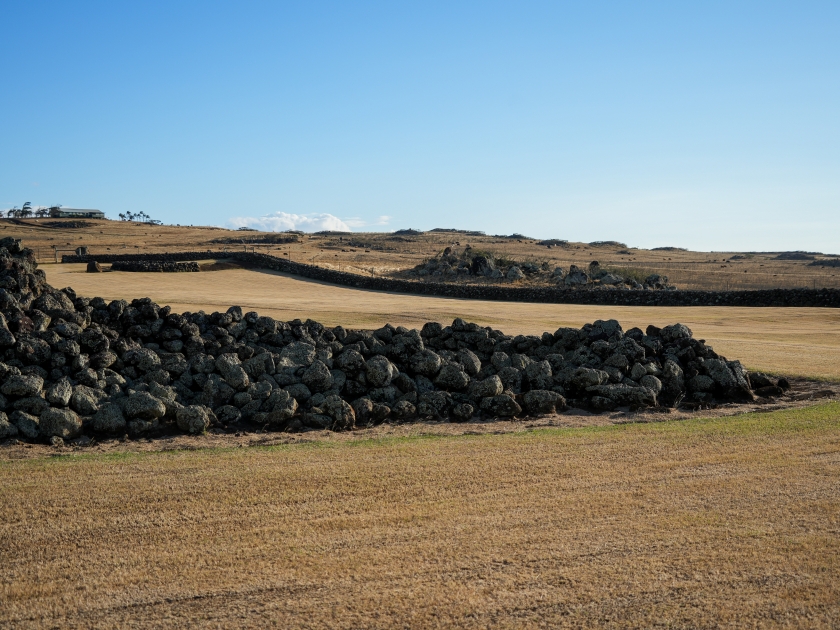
[
  {"x": 58, "y": 394},
  {"x": 230, "y": 367},
  {"x": 540, "y": 401},
  {"x": 317, "y": 377},
  {"x": 379, "y": 371},
  {"x": 514, "y": 273},
  {"x": 85, "y": 400},
  {"x": 426, "y": 363},
  {"x": 27, "y": 424},
  {"x": 452, "y": 377},
  {"x": 193, "y": 419},
  {"x": 143, "y": 406},
  {"x": 63, "y": 423},
  {"x": 109, "y": 419},
  {"x": 501, "y": 405},
  {"x": 7, "y": 429},
  {"x": 283, "y": 407},
  {"x": 297, "y": 354},
  {"x": 22, "y": 385},
  {"x": 342, "y": 414}
]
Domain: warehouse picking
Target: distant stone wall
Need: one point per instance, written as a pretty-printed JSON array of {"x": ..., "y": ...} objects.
[
  {"x": 828, "y": 298},
  {"x": 154, "y": 265}
]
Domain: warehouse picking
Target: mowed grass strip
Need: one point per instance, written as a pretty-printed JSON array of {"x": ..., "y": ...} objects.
[{"x": 730, "y": 521}]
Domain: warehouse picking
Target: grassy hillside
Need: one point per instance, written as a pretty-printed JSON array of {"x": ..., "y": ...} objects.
[{"x": 384, "y": 253}]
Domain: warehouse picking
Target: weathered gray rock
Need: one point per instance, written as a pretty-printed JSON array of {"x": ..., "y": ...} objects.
[
  {"x": 637, "y": 371},
  {"x": 7, "y": 339},
  {"x": 193, "y": 419},
  {"x": 673, "y": 383},
  {"x": 143, "y": 406},
  {"x": 701, "y": 383},
  {"x": 426, "y": 363},
  {"x": 463, "y": 412},
  {"x": 7, "y": 429},
  {"x": 228, "y": 414},
  {"x": 652, "y": 383},
  {"x": 85, "y": 400},
  {"x": 501, "y": 405},
  {"x": 720, "y": 373},
  {"x": 674, "y": 333},
  {"x": 350, "y": 361},
  {"x": 297, "y": 354},
  {"x": 539, "y": 375},
  {"x": 109, "y": 419},
  {"x": 27, "y": 424},
  {"x": 63, "y": 423},
  {"x": 300, "y": 392},
  {"x": 31, "y": 404},
  {"x": 487, "y": 388},
  {"x": 433, "y": 404},
  {"x": 514, "y": 273},
  {"x": 403, "y": 409},
  {"x": 145, "y": 359},
  {"x": 585, "y": 378},
  {"x": 575, "y": 277},
  {"x": 379, "y": 371},
  {"x": 452, "y": 377},
  {"x": 342, "y": 414},
  {"x": 22, "y": 385},
  {"x": 500, "y": 360},
  {"x": 230, "y": 367},
  {"x": 283, "y": 407},
  {"x": 317, "y": 377},
  {"x": 470, "y": 361},
  {"x": 540, "y": 401},
  {"x": 625, "y": 395}
]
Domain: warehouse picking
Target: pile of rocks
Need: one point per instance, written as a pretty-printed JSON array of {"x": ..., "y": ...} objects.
[
  {"x": 154, "y": 265},
  {"x": 452, "y": 266},
  {"x": 72, "y": 366},
  {"x": 596, "y": 276}
]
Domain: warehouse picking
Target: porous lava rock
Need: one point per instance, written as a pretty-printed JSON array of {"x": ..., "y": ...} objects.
[{"x": 73, "y": 366}]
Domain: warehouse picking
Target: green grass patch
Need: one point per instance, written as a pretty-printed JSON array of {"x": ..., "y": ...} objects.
[{"x": 824, "y": 417}]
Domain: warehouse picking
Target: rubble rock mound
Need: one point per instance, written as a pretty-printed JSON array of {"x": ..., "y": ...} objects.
[{"x": 71, "y": 366}]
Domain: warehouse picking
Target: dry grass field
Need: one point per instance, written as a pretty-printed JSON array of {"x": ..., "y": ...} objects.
[
  {"x": 792, "y": 341},
  {"x": 384, "y": 253},
  {"x": 703, "y": 523},
  {"x": 725, "y": 521}
]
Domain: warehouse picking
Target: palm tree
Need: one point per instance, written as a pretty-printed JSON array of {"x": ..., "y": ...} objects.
[
  {"x": 26, "y": 210},
  {"x": 42, "y": 212}
]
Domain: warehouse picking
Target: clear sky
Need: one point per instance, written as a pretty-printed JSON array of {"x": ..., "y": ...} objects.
[{"x": 707, "y": 125}]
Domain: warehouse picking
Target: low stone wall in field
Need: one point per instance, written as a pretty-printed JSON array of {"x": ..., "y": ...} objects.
[
  {"x": 154, "y": 265},
  {"x": 616, "y": 297}
]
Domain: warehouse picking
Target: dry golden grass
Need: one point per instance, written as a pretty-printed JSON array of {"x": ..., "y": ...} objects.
[
  {"x": 382, "y": 253},
  {"x": 792, "y": 341},
  {"x": 705, "y": 523}
]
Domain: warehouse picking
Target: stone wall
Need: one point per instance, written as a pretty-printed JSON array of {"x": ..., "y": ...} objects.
[{"x": 829, "y": 298}]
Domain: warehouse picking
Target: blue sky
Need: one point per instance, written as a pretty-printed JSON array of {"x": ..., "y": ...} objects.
[{"x": 714, "y": 126}]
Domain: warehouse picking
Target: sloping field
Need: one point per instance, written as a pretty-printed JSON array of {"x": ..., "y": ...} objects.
[
  {"x": 791, "y": 341},
  {"x": 701, "y": 523}
]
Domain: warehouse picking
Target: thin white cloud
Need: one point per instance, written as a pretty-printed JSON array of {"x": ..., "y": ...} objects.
[
  {"x": 282, "y": 221},
  {"x": 358, "y": 222}
]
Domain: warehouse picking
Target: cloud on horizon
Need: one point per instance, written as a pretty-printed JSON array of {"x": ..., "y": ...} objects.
[
  {"x": 282, "y": 221},
  {"x": 317, "y": 222}
]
